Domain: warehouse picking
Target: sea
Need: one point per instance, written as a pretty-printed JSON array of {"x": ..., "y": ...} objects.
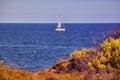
[{"x": 35, "y": 46}]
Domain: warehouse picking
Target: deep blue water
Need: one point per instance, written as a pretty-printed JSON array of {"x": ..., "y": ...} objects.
[{"x": 36, "y": 46}]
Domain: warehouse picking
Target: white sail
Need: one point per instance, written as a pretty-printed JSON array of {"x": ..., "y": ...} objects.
[{"x": 59, "y": 24}]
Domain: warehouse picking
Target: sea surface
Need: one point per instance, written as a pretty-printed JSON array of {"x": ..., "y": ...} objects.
[{"x": 36, "y": 46}]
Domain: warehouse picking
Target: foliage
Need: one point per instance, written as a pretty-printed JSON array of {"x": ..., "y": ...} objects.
[
  {"x": 81, "y": 53},
  {"x": 105, "y": 61},
  {"x": 108, "y": 58},
  {"x": 78, "y": 53},
  {"x": 62, "y": 66}
]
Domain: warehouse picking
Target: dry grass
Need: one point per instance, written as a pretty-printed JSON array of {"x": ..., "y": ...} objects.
[{"x": 14, "y": 74}]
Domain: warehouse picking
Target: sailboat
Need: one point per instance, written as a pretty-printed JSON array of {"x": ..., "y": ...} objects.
[{"x": 59, "y": 27}]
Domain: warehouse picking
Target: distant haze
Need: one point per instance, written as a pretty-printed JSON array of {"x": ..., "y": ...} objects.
[{"x": 49, "y": 11}]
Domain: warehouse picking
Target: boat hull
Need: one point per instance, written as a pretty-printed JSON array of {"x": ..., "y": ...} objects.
[{"x": 62, "y": 29}]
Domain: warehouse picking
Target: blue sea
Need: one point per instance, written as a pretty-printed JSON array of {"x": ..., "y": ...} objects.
[{"x": 34, "y": 46}]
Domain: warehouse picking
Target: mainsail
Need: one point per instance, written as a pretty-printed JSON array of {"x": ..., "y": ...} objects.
[{"x": 59, "y": 24}]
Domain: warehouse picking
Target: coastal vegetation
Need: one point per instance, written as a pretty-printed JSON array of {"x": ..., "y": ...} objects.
[{"x": 98, "y": 63}]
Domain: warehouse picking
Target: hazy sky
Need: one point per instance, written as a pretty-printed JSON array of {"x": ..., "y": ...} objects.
[{"x": 78, "y": 11}]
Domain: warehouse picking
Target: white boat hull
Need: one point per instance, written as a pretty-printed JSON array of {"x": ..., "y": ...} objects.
[{"x": 62, "y": 29}]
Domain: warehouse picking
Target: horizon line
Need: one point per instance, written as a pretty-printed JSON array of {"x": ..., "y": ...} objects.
[{"x": 57, "y": 22}]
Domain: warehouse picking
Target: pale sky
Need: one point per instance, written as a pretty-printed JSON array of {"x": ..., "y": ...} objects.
[{"x": 71, "y": 11}]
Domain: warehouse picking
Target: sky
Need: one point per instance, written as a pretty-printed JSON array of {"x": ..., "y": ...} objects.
[{"x": 49, "y": 11}]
